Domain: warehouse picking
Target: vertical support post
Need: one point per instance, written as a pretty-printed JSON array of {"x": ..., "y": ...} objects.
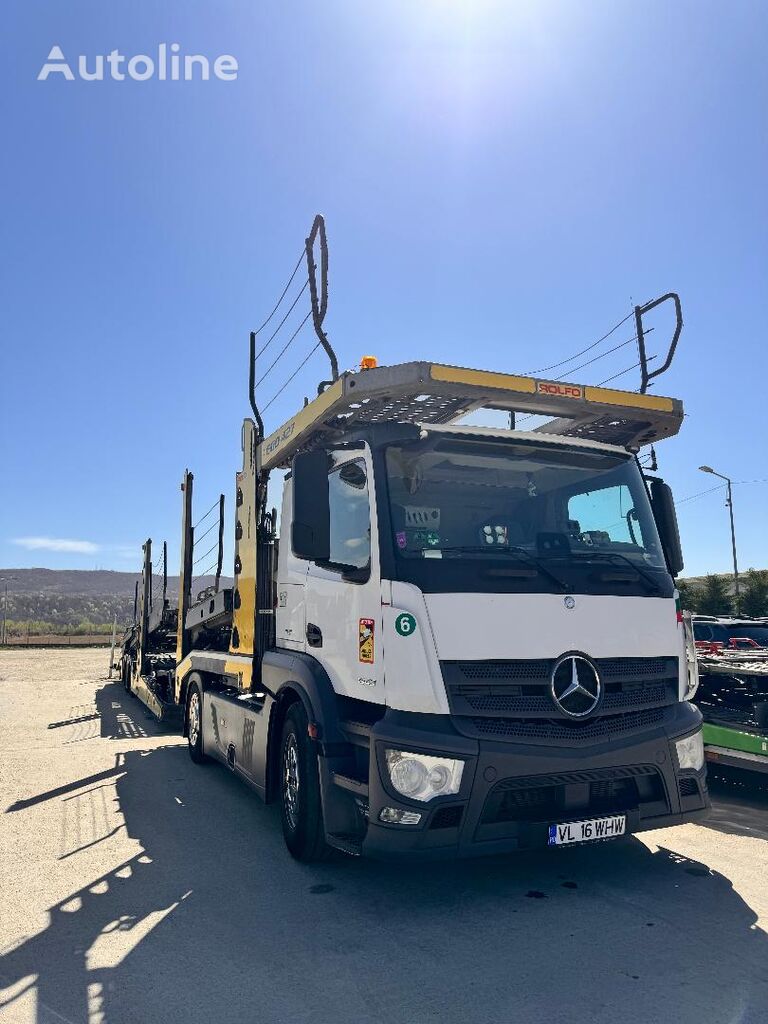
[
  {"x": 144, "y": 604},
  {"x": 112, "y": 649},
  {"x": 265, "y": 586},
  {"x": 165, "y": 572},
  {"x": 221, "y": 541},
  {"x": 185, "y": 571}
]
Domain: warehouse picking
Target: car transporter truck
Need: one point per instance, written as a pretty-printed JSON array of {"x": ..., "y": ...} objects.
[{"x": 467, "y": 640}]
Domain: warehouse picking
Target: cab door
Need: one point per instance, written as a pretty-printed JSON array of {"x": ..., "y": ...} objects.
[{"x": 343, "y": 595}]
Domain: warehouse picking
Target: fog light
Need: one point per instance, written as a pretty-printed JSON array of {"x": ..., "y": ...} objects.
[
  {"x": 690, "y": 752},
  {"x": 423, "y": 777},
  {"x": 394, "y": 816}
]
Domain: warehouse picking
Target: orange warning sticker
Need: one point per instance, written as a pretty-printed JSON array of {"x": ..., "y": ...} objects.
[{"x": 366, "y": 641}]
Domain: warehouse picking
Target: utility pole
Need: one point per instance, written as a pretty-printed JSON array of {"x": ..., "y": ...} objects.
[{"x": 729, "y": 503}]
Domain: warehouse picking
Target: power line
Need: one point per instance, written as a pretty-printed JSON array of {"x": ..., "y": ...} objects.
[
  {"x": 277, "y": 304},
  {"x": 554, "y": 366},
  {"x": 700, "y": 494},
  {"x": 607, "y": 380},
  {"x": 621, "y": 373},
  {"x": 299, "y": 367},
  {"x": 717, "y": 487},
  {"x": 282, "y": 352},
  {"x": 213, "y": 526},
  {"x": 206, "y": 514},
  {"x": 279, "y": 327},
  {"x": 575, "y": 369},
  {"x": 208, "y": 572},
  {"x": 206, "y": 553}
]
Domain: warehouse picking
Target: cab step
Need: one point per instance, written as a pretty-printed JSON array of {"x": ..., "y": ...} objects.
[
  {"x": 355, "y": 786},
  {"x": 344, "y": 842},
  {"x": 359, "y": 733}
]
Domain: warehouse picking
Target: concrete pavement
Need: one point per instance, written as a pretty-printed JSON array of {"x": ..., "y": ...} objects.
[{"x": 140, "y": 888}]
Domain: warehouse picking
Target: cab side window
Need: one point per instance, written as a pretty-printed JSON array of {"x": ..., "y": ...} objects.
[
  {"x": 606, "y": 512},
  {"x": 350, "y": 515}
]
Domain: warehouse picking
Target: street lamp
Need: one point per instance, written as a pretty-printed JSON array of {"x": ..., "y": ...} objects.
[
  {"x": 729, "y": 503},
  {"x": 5, "y": 606}
]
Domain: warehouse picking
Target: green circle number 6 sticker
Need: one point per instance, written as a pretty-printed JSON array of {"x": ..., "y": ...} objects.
[{"x": 405, "y": 624}]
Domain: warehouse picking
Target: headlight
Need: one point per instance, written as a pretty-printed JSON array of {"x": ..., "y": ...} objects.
[
  {"x": 690, "y": 752},
  {"x": 420, "y": 777}
]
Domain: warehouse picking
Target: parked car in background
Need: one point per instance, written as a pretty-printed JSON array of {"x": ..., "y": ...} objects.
[{"x": 734, "y": 633}]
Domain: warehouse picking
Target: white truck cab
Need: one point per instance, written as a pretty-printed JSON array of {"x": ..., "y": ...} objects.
[{"x": 494, "y": 611}]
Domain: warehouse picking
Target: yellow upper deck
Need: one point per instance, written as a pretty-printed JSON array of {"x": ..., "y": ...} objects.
[{"x": 421, "y": 392}]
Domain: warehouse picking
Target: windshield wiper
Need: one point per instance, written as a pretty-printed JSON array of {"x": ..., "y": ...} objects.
[
  {"x": 613, "y": 555},
  {"x": 494, "y": 550}
]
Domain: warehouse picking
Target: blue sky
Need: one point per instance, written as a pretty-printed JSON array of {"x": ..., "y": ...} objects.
[{"x": 500, "y": 181}]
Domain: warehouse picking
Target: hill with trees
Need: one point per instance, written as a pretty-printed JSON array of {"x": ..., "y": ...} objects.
[
  {"x": 74, "y": 601},
  {"x": 714, "y": 594}
]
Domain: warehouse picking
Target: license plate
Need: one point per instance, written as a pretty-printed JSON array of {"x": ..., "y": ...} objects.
[{"x": 584, "y": 831}]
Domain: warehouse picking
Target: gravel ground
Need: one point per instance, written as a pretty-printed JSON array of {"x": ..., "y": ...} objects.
[{"x": 137, "y": 887}]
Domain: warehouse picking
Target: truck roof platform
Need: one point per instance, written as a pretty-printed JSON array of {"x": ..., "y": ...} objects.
[{"x": 423, "y": 392}]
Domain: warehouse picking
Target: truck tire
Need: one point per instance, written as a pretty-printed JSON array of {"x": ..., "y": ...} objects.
[
  {"x": 300, "y": 804},
  {"x": 194, "y": 723},
  {"x": 125, "y": 672}
]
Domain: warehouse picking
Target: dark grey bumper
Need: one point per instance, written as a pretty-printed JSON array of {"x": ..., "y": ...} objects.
[{"x": 512, "y": 792}]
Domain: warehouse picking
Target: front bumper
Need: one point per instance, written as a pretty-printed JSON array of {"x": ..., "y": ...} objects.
[{"x": 512, "y": 792}]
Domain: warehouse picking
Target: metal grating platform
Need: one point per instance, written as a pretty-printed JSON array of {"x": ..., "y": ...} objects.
[{"x": 432, "y": 393}]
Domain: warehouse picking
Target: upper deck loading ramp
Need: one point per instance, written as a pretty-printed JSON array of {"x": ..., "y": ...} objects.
[{"x": 422, "y": 392}]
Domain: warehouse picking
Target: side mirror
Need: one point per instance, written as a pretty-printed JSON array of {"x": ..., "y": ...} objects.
[
  {"x": 663, "y": 505},
  {"x": 311, "y": 524}
]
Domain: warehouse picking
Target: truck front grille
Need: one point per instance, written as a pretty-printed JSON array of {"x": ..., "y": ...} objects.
[
  {"x": 512, "y": 699},
  {"x": 507, "y": 704},
  {"x": 603, "y": 727}
]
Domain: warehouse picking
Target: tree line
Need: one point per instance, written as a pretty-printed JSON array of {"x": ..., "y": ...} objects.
[{"x": 714, "y": 595}]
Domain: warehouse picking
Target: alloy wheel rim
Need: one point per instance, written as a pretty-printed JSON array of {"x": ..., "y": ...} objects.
[
  {"x": 194, "y": 719},
  {"x": 291, "y": 781}
]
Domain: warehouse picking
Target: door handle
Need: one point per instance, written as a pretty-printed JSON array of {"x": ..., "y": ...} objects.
[{"x": 314, "y": 635}]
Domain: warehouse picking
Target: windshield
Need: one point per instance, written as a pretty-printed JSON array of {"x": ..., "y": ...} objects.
[
  {"x": 726, "y": 632},
  {"x": 505, "y": 515}
]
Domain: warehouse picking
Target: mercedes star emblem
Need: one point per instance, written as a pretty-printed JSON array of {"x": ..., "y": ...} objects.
[{"x": 575, "y": 685}]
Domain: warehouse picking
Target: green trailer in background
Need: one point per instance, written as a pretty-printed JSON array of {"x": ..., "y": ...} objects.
[
  {"x": 736, "y": 748},
  {"x": 733, "y": 690},
  {"x": 733, "y": 698}
]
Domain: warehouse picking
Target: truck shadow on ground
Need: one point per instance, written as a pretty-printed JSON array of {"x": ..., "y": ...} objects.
[
  {"x": 211, "y": 921},
  {"x": 739, "y": 803}
]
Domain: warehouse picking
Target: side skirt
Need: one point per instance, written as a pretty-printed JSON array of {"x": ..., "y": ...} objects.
[{"x": 235, "y": 732}]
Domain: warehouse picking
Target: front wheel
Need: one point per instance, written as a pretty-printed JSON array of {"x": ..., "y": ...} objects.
[
  {"x": 300, "y": 804},
  {"x": 195, "y": 723}
]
